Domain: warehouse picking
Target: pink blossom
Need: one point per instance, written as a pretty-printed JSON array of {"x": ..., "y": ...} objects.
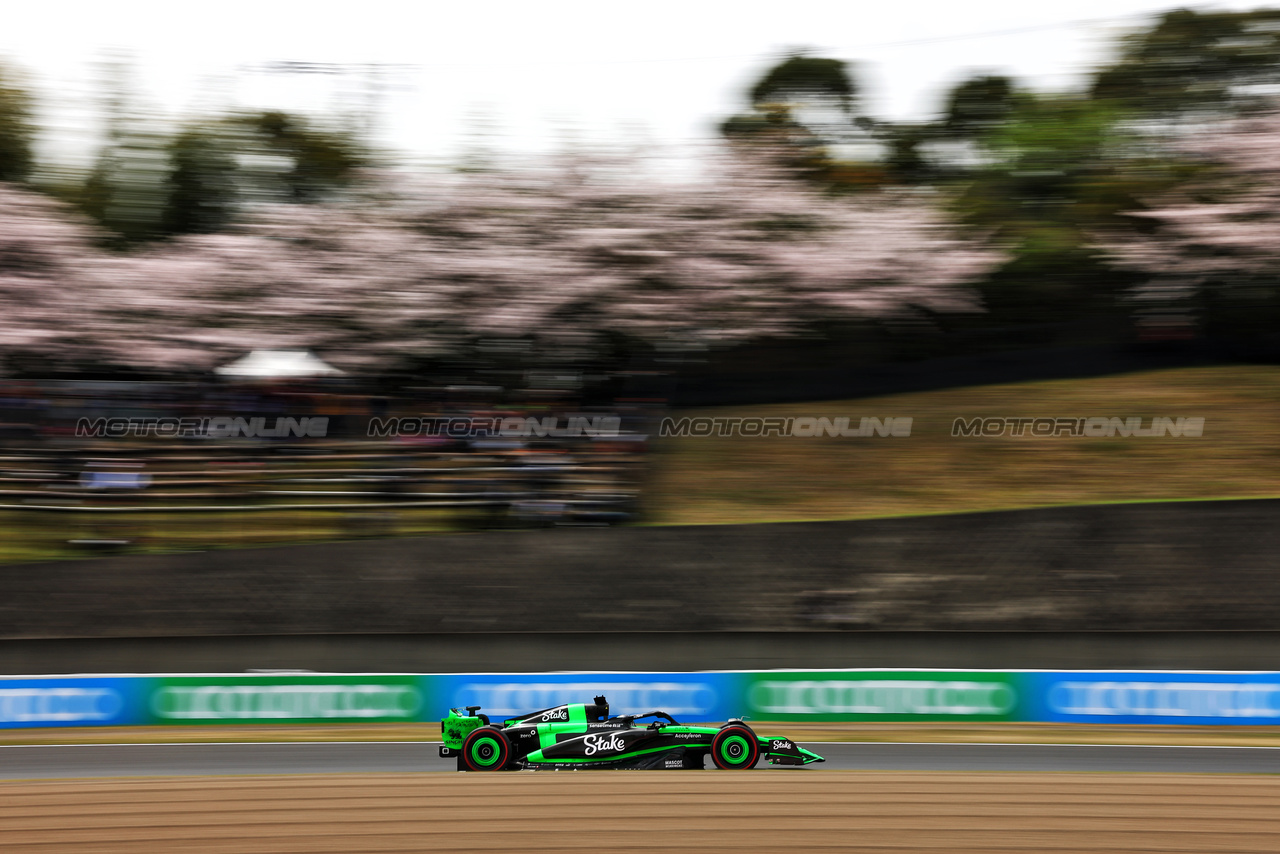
[{"x": 406, "y": 268}]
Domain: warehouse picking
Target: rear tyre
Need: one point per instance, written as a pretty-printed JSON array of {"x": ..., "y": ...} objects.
[
  {"x": 486, "y": 749},
  {"x": 735, "y": 748}
]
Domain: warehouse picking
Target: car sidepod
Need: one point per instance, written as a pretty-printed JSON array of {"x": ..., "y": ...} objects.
[{"x": 627, "y": 747}]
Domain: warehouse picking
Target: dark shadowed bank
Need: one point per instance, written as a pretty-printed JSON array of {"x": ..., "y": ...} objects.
[{"x": 1177, "y": 566}]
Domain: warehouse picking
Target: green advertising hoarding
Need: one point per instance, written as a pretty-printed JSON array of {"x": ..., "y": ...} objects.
[
  {"x": 882, "y": 695},
  {"x": 286, "y": 699}
]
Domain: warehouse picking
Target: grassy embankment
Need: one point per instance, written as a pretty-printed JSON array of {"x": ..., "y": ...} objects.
[
  {"x": 744, "y": 480},
  {"x": 736, "y": 480}
]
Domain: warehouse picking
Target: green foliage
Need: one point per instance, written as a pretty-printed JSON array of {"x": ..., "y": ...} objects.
[
  {"x": 801, "y": 78},
  {"x": 793, "y": 145},
  {"x": 1047, "y": 152},
  {"x": 978, "y": 105},
  {"x": 1194, "y": 60},
  {"x": 16, "y": 128},
  {"x": 905, "y": 162},
  {"x": 773, "y": 120},
  {"x": 126, "y": 191},
  {"x": 147, "y": 186},
  {"x": 798, "y": 108},
  {"x": 1056, "y": 172},
  {"x": 202, "y": 191},
  {"x": 320, "y": 161}
]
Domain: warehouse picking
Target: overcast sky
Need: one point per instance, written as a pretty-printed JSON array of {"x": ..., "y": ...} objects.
[{"x": 525, "y": 76}]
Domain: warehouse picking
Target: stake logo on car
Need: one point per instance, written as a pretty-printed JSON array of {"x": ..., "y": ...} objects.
[
  {"x": 779, "y": 744},
  {"x": 597, "y": 743},
  {"x": 556, "y": 715}
]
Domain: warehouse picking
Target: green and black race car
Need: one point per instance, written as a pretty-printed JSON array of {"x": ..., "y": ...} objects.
[{"x": 583, "y": 735}]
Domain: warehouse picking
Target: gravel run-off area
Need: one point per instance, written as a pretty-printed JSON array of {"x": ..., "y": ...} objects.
[{"x": 708, "y": 811}]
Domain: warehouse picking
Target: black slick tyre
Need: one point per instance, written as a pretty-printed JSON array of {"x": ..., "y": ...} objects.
[
  {"x": 486, "y": 749},
  {"x": 735, "y": 748}
]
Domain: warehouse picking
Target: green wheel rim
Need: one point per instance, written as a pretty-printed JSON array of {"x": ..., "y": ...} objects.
[
  {"x": 735, "y": 750},
  {"x": 485, "y": 752}
]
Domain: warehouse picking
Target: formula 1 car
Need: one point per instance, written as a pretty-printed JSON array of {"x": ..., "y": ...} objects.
[{"x": 583, "y": 735}]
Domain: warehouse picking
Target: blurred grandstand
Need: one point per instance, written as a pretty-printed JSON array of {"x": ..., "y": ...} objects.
[{"x": 64, "y": 487}]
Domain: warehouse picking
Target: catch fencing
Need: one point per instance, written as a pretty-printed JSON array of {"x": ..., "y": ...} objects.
[{"x": 956, "y": 696}]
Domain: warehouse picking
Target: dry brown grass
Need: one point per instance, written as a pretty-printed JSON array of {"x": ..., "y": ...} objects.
[{"x": 730, "y": 480}]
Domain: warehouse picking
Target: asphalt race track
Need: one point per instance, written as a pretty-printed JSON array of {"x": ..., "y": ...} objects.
[{"x": 150, "y": 760}]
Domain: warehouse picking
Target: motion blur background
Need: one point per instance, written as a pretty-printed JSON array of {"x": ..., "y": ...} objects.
[{"x": 247, "y": 213}]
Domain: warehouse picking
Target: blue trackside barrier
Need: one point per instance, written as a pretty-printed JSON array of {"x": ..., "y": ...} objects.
[
  {"x": 1089, "y": 697},
  {"x": 60, "y": 701},
  {"x": 1145, "y": 697}
]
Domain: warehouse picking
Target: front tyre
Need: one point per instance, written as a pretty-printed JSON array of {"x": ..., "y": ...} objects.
[
  {"x": 735, "y": 748},
  {"x": 486, "y": 749}
]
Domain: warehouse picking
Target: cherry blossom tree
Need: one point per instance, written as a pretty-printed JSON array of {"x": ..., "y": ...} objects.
[
  {"x": 1212, "y": 250},
  {"x": 45, "y": 251},
  {"x": 565, "y": 254}
]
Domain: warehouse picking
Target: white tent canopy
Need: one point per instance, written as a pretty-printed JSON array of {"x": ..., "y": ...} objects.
[{"x": 278, "y": 364}]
